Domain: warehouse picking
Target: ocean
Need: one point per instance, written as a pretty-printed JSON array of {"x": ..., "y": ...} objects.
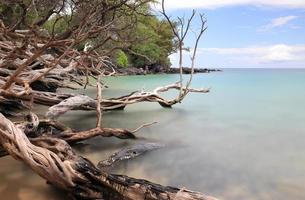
[{"x": 244, "y": 140}]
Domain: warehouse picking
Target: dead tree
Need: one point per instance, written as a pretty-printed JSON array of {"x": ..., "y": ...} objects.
[
  {"x": 181, "y": 29},
  {"x": 34, "y": 64}
]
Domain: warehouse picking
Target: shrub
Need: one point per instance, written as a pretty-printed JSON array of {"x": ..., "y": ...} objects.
[{"x": 121, "y": 59}]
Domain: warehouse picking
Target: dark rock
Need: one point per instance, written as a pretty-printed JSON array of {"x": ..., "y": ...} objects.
[
  {"x": 188, "y": 70},
  {"x": 159, "y": 69}
]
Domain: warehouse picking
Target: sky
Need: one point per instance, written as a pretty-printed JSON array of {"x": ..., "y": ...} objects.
[{"x": 245, "y": 33}]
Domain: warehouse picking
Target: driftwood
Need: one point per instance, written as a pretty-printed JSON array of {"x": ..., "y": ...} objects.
[
  {"x": 35, "y": 128},
  {"x": 71, "y": 103},
  {"x": 54, "y": 160}
]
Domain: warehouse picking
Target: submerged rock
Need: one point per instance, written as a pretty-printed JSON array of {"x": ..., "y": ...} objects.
[{"x": 129, "y": 153}]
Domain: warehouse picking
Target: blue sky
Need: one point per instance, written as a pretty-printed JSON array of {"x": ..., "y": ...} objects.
[{"x": 246, "y": 33}]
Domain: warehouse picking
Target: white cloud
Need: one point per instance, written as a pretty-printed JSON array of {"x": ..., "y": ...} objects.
[
  {"x": 212, "y": 4},
  {"x": 264, "y": 54},
  {"x": 281, "y": 21},
  {"x": 277, "y": 22},
  {"x": 279, "y": 55}
]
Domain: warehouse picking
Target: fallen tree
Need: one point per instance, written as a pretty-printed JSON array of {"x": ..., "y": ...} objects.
[
  {"x": 54, "y": 160},
  {"x": 34, "y": 65}
]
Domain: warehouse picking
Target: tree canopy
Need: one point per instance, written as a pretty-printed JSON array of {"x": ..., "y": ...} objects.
[{"x": 135, "y": 31}]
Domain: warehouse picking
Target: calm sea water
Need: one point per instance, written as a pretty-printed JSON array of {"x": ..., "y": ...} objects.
[{"x": 244, "y": 140}]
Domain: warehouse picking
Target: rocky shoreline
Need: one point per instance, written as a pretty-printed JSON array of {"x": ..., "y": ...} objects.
[{"x": 161, "y": 70}]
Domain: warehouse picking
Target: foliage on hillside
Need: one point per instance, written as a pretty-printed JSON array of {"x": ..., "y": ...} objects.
[
  {"x": 121, "y": 59},
  {"x": 156, "y": 45},
  {"x": 141, "y": 36}
]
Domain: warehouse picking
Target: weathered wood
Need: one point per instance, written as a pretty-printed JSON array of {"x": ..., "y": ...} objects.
[
  {"x": 11, "y": 107},
  {"x": 35, "y": 130},
  {"x": 72, "y": 103},
  {"x": 54, "y": 160}
]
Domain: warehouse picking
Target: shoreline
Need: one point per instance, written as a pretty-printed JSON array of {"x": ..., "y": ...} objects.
[{"x": 160, "y": 70}]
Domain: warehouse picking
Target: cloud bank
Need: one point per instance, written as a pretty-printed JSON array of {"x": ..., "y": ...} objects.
[
  {"x": 264, "y": 54},
  {"x": 212, "y": 4},
  {"x": 280, "y": 55}
]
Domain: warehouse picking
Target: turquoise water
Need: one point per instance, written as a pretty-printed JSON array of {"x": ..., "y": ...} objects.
[{"x": 244, "y": 140}]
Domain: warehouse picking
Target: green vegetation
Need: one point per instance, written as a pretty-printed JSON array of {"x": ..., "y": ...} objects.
[
  {"x": 140, "y": 38},
  {"x": 156, "y": 43},
  {"x": 122, "y": 59}
]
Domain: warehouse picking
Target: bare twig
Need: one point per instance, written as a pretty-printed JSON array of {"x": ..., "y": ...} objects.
[
  {"x": 142, "y": 126},
  {"x": 99, "y": 99}
]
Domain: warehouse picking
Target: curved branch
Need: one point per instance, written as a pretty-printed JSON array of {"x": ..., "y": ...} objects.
[{"x": 54, "y": 160}]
